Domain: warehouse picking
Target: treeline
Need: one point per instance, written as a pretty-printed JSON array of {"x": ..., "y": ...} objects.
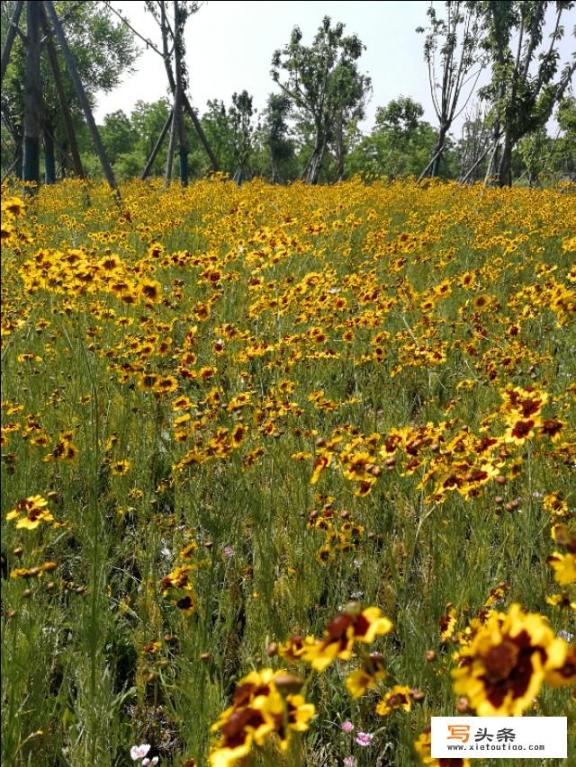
[
  {"x": 401, "y": 143},
  {"x": 310, "y": 126}
]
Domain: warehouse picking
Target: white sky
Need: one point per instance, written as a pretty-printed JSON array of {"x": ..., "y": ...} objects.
[{"x": 229, "y": 47}]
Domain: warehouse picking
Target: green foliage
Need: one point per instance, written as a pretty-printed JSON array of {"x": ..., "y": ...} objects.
[
  {"x": 400, "y": 144},
  {"x": 276, "y": 139}
]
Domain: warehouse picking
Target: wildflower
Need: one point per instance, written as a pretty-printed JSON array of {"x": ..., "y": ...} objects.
[
  {"x": 347, "y": 726},
  {"x": 35, "y": 510},
  {"x": 65, "y": 450},
  {"x": 364, "y": 739},
  {"x": 448, "y": 624},
  {"x": 150, "y": 290},
  {"x": 423, "y": 747},
  {"x": 398, "y": 697},
  {"x": 346, "y": 628},
  {"x": 366, "y": 678},
  {"x": 33, "y": 572},
  {"x": 265, "y": 703},
  {"x": 564, "y": 566},
  {"x": 350, "y": 761},
  {"x": 118, "y": 468},
  {"x": 139, "y": 752},
  {"x": 506, "y": 662},
  {"x": 13, "y": 206}
]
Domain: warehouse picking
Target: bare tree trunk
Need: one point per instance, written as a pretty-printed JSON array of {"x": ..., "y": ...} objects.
[
  {"x": 49, "y": 158},
  {"x": 314, "y": 164},
  {"x": 201, "y": 134},
  {"x": 32, "y": 95},
  {"x": 156, "y": 149},
  {"x": 179, "y": 103},
  {"x": 471, "y": 170},
  {"x": 439, "y": 151},
  {"x": 494, "y": 160},
  {"x": 11, "y": 35},
  {"x": 171, "y": 148},
  {"x": 505, "y": 165},
  {"x": 63, "y": 158}
]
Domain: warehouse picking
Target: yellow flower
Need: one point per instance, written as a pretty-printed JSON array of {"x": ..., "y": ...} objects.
[
  {"x": 564, "y": 675},
  {"x": 264, "y": 703},
  {"x": 346, "y": 628},
  {"x": 366, "y": 678},
  {"x": 423, "y": 747},
  {"x": 505, "y": 664},
  {"x": 35, "y": 510},
  {"x": 398, "y": 697},
  {"x": 564, "y": 566},
  {"x": 118, "y": 468}
]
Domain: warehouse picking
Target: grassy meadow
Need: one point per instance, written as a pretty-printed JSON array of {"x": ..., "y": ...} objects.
[{"x": 286, "y": 471}]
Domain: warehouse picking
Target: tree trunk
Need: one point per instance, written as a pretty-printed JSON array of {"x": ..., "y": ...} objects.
[
  {"x": 156, "y": 149},
  {"x": 201, "y": 134},
  {"x": 340, "y": 151},
  {"x": 49, "y": 158},
  {"x": 32, "y": 95},
  {"x": 63, "y": 160},
  {"x": 505, "y": 166},
  {"x": 184, "y": 166},
  {"x": 273, "y": 169},
  {"x": 171, "y": 146},
  {"x": 314, "y": 165},
  {"x": 438, "y": 152},
  {"x": 179, "y": 105}
]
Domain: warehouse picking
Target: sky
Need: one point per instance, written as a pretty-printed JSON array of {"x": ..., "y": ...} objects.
[{"x": 229, "y": 47}]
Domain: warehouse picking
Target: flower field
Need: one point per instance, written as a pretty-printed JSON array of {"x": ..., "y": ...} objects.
[{"x": 286, "y": 470}]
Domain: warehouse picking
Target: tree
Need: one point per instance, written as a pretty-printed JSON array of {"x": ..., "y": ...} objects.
[
  {"x": 565, "y": 145},
  {"x": 240, "y": 116},
  {"x": 276, "y": 132},
  {"x": 354, "y": 89},
  {"x": 399, "y": 144},
  {"x": 103, "y": 51},
  {"x": 118, "y": 135},
  {"x": 216, "y": 124},
  {"x": 523, "y": 91},
  {"x": 402, "y": 117},
  {"x": 322, "y": 82},
  {"x": 450, "y": 50},
  {"x": 474, "y": 145},
  {"x": 149, "y": 120}
]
